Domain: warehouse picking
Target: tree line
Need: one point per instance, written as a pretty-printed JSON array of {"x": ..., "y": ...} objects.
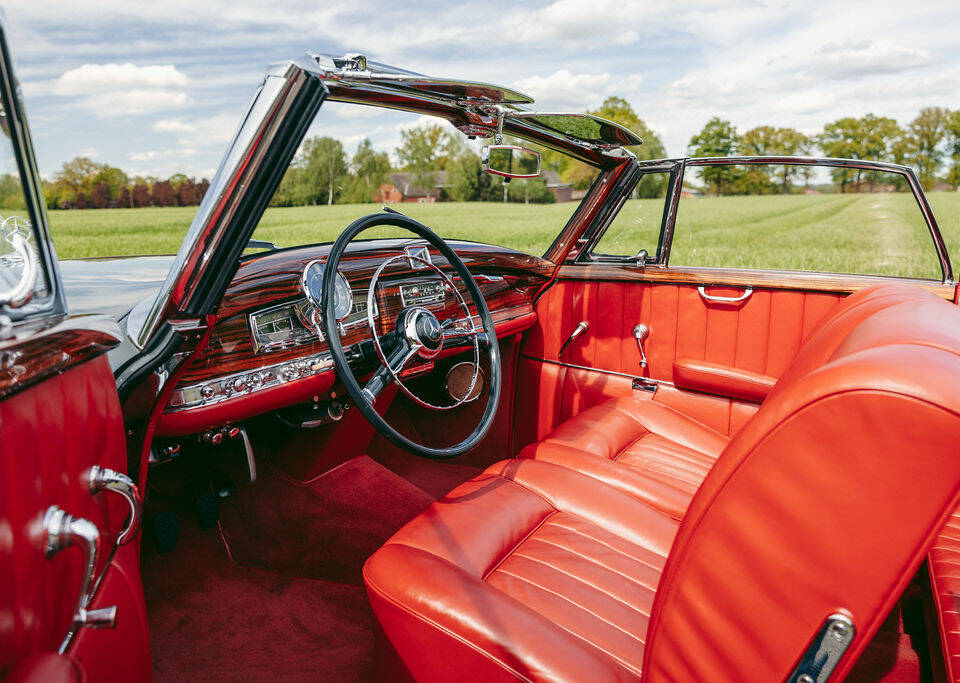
[
  {"x": 930, "y": 143},
  {"x": 82, "y": 183}
]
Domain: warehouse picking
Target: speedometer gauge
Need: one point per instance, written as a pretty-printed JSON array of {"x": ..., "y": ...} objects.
[{"x": 312, "y": 284}]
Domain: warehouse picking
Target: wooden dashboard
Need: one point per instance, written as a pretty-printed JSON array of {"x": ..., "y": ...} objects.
[{"x": 235, "y": 377}]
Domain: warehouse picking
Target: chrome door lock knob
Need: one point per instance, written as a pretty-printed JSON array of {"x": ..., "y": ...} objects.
[{"x": 640, "y": 333}]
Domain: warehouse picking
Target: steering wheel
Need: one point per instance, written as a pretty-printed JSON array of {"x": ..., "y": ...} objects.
[{"x": 416, "y": 334}]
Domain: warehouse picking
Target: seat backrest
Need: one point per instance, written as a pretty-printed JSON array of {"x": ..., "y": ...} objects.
[{"x": 825, "y": 502}]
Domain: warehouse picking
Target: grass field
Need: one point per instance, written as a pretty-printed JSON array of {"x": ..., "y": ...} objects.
[{"x": 868, "y": 233}]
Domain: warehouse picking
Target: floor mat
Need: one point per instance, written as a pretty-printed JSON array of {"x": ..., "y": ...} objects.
[
  {"x": 213, "y": 620},
  {"x": 323, "y": 529},
  {"x": 436, "y": 477}
]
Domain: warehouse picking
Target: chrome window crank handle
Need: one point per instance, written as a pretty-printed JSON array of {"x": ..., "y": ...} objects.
[
  {"x": 640, "y": 333},
  {"x": 105, "y": 479}
]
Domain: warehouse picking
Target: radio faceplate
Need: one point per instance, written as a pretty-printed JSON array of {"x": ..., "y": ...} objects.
[{"x": 422, "y": 293}]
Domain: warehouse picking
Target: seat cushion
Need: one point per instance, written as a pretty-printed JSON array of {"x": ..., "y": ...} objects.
[
  {"x": 944, "y": 567},
  {"x": 529, "y": 570},
  {"x": 638, "y": 446}
]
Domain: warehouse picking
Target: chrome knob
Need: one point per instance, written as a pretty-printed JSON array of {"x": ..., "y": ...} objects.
[
  {"x": 239, "y": 384},
  {"x": 207, "y": 391}
]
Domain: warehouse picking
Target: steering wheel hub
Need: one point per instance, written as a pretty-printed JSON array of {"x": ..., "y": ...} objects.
[{"x": 422, "y": 329}]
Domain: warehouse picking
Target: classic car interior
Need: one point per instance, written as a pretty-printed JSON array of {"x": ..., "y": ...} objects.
[{"x": 432, "y": 459}]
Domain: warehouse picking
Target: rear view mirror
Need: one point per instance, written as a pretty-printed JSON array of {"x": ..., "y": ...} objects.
[{"x": 511, "y": 161}]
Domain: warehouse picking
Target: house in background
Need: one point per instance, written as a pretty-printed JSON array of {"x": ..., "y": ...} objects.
[{"x": 399, "y": 188}]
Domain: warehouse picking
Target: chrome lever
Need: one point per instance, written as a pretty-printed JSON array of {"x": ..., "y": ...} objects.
[
  {"x": 60, "y": 531},
  {"x": 105, "y": 479},
  {"x": 640, "y": 333},
  {"x": 577, "y": 331}
]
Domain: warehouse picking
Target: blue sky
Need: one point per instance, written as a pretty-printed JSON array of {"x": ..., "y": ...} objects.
[{"x": 159, "y": 87}]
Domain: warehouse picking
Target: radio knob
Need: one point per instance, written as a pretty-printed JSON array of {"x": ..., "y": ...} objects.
[{"x": 206, "y": 391}]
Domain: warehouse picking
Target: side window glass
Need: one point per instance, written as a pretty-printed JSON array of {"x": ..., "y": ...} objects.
[
  {"x": 802, "y": 218},
  {"x": 21, "y": 276},
  {"x": 637, "y": 224}
]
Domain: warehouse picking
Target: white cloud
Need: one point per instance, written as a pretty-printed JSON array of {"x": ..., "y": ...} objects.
[
  {"x": 856, "y": 60},
  {"x": 566, "y": 91},
  {"x": 173, "y": 126},
  {"x": 109, "y": 90}
]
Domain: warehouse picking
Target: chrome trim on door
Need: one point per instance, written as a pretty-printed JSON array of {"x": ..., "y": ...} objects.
[
  {"x": 725, "y": 299},
  {"x": 60, "y": 531},
  {"x": 105, "y": 479}
]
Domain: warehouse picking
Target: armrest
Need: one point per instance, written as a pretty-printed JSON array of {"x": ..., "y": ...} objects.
[{"x": 723, "y": 380}]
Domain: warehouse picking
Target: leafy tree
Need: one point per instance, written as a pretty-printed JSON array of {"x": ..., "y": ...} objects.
[
  {"x": 952, "y": 128},
  {"x": 842, "y": 139},
  {"x": 100, "y": 197},
  {"x": 113, "y": 177},
  {"x": 369, "y": 169},
  {"x": 618, "y": 110},
  {"x": 77, "y": 176},
  {"x": 924, "y": 137},
  {"x": 11, "y": 193},
  {"x": 140, "y": 195},
  {"x": 326, "y": 167},
  {"x": 81, "y": 200},
  {"x": 187, "y": 192},
  {"x": 422, "y": 152},
  {"x": 463, "y": 177},
  {"x": 718, "y": 138},
  {"x": 771, "y": 141},
  {"x": 163, "y": 194},
  {"x": 530, "y": 191}
]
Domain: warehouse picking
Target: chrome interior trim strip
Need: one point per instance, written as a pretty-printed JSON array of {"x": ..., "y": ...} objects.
[{"x": 648, "y": 380}]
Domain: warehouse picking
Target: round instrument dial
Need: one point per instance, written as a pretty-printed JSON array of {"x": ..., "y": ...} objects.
[{"x": 312, "y": 284}]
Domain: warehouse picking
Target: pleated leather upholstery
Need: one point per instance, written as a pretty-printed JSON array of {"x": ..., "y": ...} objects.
[
  {"x": 944, "y": 567},
  {"x": 827, "y": 500}
]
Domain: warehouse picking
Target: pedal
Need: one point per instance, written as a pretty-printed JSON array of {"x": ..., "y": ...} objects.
[
  {"x": 207, "y": 506},
  {"x": 165, "y": 531},
  {"x": 223, "y": 485}
]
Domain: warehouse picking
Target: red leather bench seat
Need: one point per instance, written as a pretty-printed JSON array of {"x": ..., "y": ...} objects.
[
  {"x": 826, "y": 502},
  {"x": 661, "y": 455}
]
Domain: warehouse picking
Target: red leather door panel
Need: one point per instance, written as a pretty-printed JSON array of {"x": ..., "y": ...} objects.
[
  {"x": 759, "y": 335},
  {"x": 51, "y": 433}
]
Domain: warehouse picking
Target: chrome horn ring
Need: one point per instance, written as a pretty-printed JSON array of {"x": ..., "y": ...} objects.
[{"x": 417, "y": 348}]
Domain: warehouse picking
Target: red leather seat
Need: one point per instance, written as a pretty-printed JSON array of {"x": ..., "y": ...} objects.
[
  {"x": 530, "y": 570},
  {"x": 662, "y": 456},
  {"x": 944, "y": 568},
  {"x": 826, "y": 502},
  {"x": 639, "y": 446}
]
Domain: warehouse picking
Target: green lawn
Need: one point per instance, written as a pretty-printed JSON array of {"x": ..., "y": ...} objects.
[{"x": 870, "y": 233}]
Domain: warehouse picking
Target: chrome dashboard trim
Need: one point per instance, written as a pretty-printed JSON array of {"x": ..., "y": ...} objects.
[{"x": 248, "y": 382}]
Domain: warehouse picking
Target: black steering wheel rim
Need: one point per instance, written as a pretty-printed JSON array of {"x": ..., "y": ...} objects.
[{"x": 342, "y": 367}]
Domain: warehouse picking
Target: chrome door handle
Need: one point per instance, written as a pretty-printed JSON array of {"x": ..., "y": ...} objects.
[
  {"x": 725, "y": 299},
  {"x": 577, "y": 331},
  {"x": 21, "y": 292},
  {"x": 60, "y": 531},
  {"x": 105, "y": 479},
  {"x": 640, "y": 333}
]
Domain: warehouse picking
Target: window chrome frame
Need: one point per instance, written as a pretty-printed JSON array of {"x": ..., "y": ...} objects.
[{"x": 677, "y": 168}]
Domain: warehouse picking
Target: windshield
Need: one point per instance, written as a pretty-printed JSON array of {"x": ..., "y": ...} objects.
[{"x": 357, "y": 159}]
